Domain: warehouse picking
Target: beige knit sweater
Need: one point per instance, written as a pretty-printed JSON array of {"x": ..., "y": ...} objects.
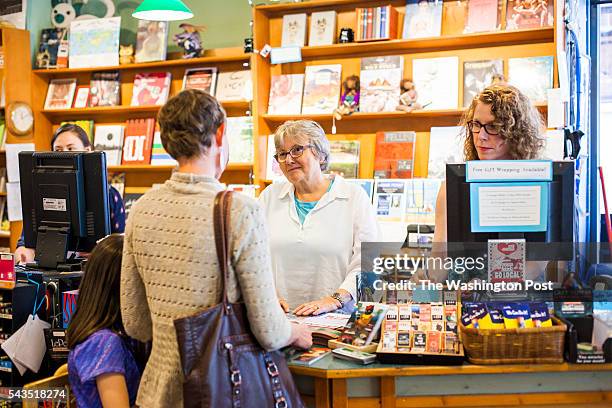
[{"x": 170, "y": 270}]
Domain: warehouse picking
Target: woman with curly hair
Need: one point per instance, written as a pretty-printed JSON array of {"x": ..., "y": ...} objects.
[{"x": 500, "y": 124}]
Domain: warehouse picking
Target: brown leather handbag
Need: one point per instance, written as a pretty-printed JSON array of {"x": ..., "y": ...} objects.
[{"x": 223, "y": 364}]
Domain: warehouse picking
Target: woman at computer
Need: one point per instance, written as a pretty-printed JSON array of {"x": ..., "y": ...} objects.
[
  {"x": 170, "y": 267},
  {"x": 501, "y": 123},
  {"x": 316, "y": 223},
  {"x": 72, "y": 138}
]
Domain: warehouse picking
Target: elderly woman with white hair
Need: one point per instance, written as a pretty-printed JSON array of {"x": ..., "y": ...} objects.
[{"x": 316, "y": 224}]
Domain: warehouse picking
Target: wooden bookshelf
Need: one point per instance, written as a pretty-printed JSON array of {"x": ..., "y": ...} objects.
[
  {"x": 229, "y": 59},
  {"x": 363, "y": 126}
]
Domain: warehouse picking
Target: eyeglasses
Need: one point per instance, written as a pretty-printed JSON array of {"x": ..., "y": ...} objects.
[
  {"x": 491, "y": 128},
  {"x": 295, "y": 152}
]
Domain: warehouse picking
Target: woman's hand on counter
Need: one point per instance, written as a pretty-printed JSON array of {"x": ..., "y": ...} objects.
[
  {"x": 283, "y": 304},
  {"x": 317, "y": 307}
]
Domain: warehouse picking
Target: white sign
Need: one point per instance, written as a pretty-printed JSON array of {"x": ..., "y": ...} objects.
[
  {"x": 509, "y": 206},
  {"x": 54, "y": 204},
  {"x": 283, "y": 55},
  {"x": 508, "y": 170}
]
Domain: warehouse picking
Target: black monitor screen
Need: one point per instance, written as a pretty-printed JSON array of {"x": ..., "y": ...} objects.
[
  {"x": 560, "y": 231},
  {"x": 65, "y": 193}
]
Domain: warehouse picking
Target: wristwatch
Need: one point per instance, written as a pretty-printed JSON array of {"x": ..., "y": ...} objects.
[{"x": 338, "y": 297}]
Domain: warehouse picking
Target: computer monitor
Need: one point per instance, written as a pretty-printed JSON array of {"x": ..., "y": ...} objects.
[
  {"x": 64, "y": 198},
  {"x": 556, "y": 241}
]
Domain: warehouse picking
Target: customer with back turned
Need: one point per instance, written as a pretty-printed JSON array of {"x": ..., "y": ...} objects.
[{"x": 170, "y": 268}]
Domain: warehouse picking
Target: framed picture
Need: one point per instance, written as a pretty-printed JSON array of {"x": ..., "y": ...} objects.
[
  {"x": 204, "y": 79},
  {"x": 60, "y": 93},
  {"x": 82, "y": 97}
]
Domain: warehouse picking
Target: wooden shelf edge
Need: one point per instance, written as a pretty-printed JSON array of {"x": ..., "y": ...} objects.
[
  {"x": 379, "y": 115},
  {"x": 148, "y": 65},
  {"x": 166, "y": 168}
]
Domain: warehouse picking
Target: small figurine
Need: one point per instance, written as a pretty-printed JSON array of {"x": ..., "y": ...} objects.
[
  {"x": 346, "y": 35},
  {"x": 190, "y": 40},
  {"x": 349, "y": 102},
  {"x": 126, "y": 54},
  {"x": 408, "y": 97}
]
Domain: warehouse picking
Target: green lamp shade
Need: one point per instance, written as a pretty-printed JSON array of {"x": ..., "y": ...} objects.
[{"x": 162, "y": 10}]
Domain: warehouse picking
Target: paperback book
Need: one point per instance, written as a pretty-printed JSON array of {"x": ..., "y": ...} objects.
[
  {"x": 394, "y": 156},
  {"x": 532, "y": 75},
  {"x": 482, "y": 16},
  {"x": 286, "y": 94},
  {"x": 423, "y": 19},
  {"x": 454, "y": 17},
  {"x": 204, "y": 79},
  {"x": 380, "y": 83},
  {"x": 421, "y": 196},
  {"x": 234, "y": 86},
  {"x": 390, "y": 199},
  {"x": 50, "y": 39},
  {"x": 117, "y": 181},
  {"x": 294, "y": 30},
  {"x": 522, "y": 14},
  {"x": 321, "y": 89},
  {"x": 309, "y": 357},
  {"x": 60, "y": 93},
  {"x": 437, "y": 82},
  {"x": 445, "y": 146},
  {"x": 344, "y": 158},
  {"x": 104, "y": 89},
  {"x": 138, "y": 141},
  {"x": 94, "y": 42},
  {"x": 159, "y": 155},
  {"x": 151, "y": 88},
  {"x": 322, "y": 28},
  {"x": 477, "y": 75},
  {"x": 109, "y": 139},
  {"x": 151, "y": 41},
  {"x": 240, "y": 133}
]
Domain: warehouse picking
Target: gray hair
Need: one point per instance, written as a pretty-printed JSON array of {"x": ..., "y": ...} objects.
[{"x": 304, "y": 132}]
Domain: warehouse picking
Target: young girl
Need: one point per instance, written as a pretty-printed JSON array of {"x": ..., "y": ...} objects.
[{"x": 101, "y": 367}]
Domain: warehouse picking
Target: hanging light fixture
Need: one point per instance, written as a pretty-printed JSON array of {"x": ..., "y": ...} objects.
[{"x": 162, "y": 10}]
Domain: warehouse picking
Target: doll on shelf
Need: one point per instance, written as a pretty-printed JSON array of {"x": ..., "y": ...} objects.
[
  {"x": 408, "y": 96},
  {"x": 349, "y": 102}
]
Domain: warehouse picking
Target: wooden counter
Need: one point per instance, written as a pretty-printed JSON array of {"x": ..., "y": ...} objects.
[{"x": 340, "y": 384}]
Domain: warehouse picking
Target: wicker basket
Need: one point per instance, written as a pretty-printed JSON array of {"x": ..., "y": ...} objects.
[{"x": 515, "y": 346}]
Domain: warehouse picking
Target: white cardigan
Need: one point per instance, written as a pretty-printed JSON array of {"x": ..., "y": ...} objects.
[{"x": 316, "y": 259}]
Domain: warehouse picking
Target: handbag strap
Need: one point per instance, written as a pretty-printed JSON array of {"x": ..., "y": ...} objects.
[{"x": 221, "y": 220}]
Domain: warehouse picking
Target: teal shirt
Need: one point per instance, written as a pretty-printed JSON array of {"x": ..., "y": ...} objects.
[{"x": 303, "y": 208}]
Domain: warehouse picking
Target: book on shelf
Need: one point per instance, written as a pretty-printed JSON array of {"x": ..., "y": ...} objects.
[
  {"x": 247, "y": 189},
  {"x": 3, "y": 180},
  {"x": 366, "y": 184},
  {"x": 445, "y": 147},
  {"x": 286, "y": 94},
  {"x": 109, "y": 139},
  {"x": 321, "y": 88},
  {"x": 354, "y": 356},
  {"x": 105, "y": 89},
  {"x": 380, "y": 83},
  {"x": 81, "y": 98},
  {"x": 344, "y": 158},
  {"x": 482, "y": 16},
  {"x": 437, "y": 82},
  {"x": 522, "y": 14},
  {"x": 129, "y": 198},
  {"x": 273, "y": 170},
  {"x": 94, "y": 42},
  {"x": 554, "y": 145},
  {"x": 423, "y": 19},
  {"x": 322, "y": 28},
  {"x": 421, "y": 196},
  {"x": 151, "y": 41},
  {"x": 234, "y": 86},
  {"x": 294, "y": 30},
  {"x": 376, "y": 23},
  {"x": 159, "y": 155},
  {"x": 532, "y": 75},
  {"x": 50, "y": 39},
  {"x": 60, "y": 93},
  {"x": 310, "y": 356},
  {"x": 240, "y": 134},
  {"x": 138, "y": 141},
  {"x": 86, "y": 124},
  {"x": 454, "y": 16},
  {"x": 390, "y": 199},
  {"x": 151, "y": 88},
  {"x": 204, "y": 79},
  {"x": 117, "y": 181},
  {"x": 394, "y": 154},
  {"x": 477, "y": 75}
]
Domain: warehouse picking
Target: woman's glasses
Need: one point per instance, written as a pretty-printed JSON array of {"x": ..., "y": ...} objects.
[
  {"x": 295, "y": 152},
  {"x": 491, "y": 128}
]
